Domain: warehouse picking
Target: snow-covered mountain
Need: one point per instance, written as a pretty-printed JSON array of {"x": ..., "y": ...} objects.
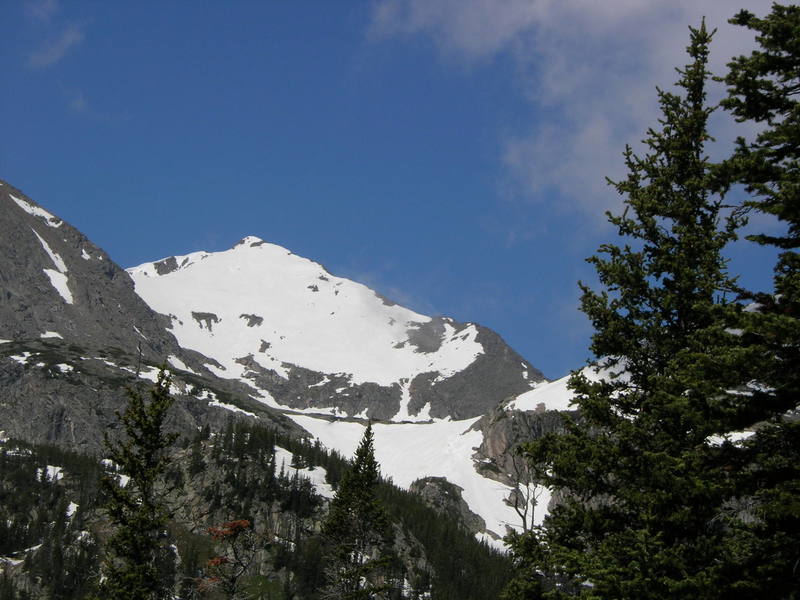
[
  {"x": 332, "y": 353},
  {"x": 308, "y": 340},
  {"x": 256, "y": 332}
]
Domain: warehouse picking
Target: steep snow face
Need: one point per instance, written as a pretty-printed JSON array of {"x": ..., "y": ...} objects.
[
  {"x": 409, "y": 451},
  {"x": 37, "y": 211},
  {"x": 260, "y": 300},
  {"x": 556, "y": 395}
]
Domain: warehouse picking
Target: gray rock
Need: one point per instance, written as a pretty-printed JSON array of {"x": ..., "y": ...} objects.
[
  {"x": 445, "y": 498},
  {"x": 102, "y": 331},
  {"x": 494, "y": 376}
]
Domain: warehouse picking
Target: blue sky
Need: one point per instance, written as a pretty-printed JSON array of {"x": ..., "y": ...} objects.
[{"x": 451, "y": 154}]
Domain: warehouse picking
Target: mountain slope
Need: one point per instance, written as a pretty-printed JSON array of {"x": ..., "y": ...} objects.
[
  {"x": 308, "y": 340},
  {"x": 73, "y": 334},
  {"x": 256, "y": 332}
]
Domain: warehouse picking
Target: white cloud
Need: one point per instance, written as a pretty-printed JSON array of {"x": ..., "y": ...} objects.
[
  {"x": 56, "y": 48},
  {"x": 471, "y": 28},
  {"x": 588, "y": 68}
]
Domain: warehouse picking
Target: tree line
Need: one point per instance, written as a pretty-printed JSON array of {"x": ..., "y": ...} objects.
[{"x": 218, "y": 515}]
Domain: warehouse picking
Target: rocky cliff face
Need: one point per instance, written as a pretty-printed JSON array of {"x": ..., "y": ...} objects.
[
  {"x": 58, "y": 284},
  {"x": 74, "y": 334},
  {"x": 446, "y": 498},
  {"x": 503, "y": 432}
]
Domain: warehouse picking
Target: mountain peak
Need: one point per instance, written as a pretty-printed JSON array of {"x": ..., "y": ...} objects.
[
  {"x": 306, "y": 339},
  {"x": 249, "y": 240}
]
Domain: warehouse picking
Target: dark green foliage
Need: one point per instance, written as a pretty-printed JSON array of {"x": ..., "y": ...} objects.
[
  {"x": 357, "y": 533},
  {"x": 474, "y": 571},
  {"x": 33, "y": 515},
  {"x": 764, "y": 89},
  {"x": 642, "y": 487},
  {"x": 139, "y": 558},
  {"x": 242, "y": 481}
]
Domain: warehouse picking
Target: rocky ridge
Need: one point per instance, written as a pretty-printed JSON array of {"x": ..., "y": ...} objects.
[{"x": 74, "y": 334}]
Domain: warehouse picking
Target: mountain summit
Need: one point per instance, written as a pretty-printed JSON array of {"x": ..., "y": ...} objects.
[{"x": 311, "y": 341}]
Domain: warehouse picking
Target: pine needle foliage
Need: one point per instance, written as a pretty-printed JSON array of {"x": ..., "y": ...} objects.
[
  {"x": 641, "y": 485},
  {"x": 137, "y": 550},
  {"x": 357, "y": 533},
  {"x": 763, "y": 89}
]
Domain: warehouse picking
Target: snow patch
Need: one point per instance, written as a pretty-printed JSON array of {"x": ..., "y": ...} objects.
[
  {"x": 405, "y": 399},
  {"x": 36, "y": 211},
  {"x": 51, "y": 334},
  {"x": 21, "y": 358},
  {"x": 317, "y": 476},
  {"x": 178, "y": 364},
  {"x": 71, "y": 510},
  {"x": 51, "y": 473},
  {"x": 733, "y": 437},
  {"x": 65, "y": 368},
  {"x": 231, "y": 408},
  {"x": 55, "y": 257},
  {"x": 85, "y": 255},
  {"x": 556, "y": 395},
  {"x": 553, "y": 395},
  {"x": 60, "y": 283},
  {"x": 266, "y": 398},
  {"x": 321, "y": 383},
  {"x": 58, "y": 279}
]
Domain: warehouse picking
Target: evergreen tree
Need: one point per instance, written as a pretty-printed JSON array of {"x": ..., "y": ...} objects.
[
  {"x": 642, "y": 484},
  {"x": 763, "y": 89},
  {"x": 137, "y": 550},
  {"x": 357, "y": 533}
]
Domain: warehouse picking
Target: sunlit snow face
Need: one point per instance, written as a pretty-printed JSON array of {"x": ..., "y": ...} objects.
[{"x": 260, "y": 300}]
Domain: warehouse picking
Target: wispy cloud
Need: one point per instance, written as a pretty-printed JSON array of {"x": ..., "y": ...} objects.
[
  {"x": 76, "y": 101},
  {"x": 42, "y": 10},
  {"x": 587, "y": 69},
  {"x": 470, "y": 29},
  {"x": 79, "y": 103},
  {"x": 57, "y": 47}
]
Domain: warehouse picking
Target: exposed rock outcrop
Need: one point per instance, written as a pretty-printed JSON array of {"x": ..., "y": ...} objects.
[{"x": 446, "y": 498}]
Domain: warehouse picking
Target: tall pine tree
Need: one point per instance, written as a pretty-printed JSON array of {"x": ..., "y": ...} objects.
[
  {"x": 138, "y": 552},
  {"x": 641, "y": 480},
  {"x": 763, "y": 89},
  {"x": 357, "y": 533}
]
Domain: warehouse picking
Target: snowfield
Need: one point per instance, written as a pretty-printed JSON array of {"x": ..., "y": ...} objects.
[
  {"x": 409, "y": 451},
  {"x": 260, "y": 300}
]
